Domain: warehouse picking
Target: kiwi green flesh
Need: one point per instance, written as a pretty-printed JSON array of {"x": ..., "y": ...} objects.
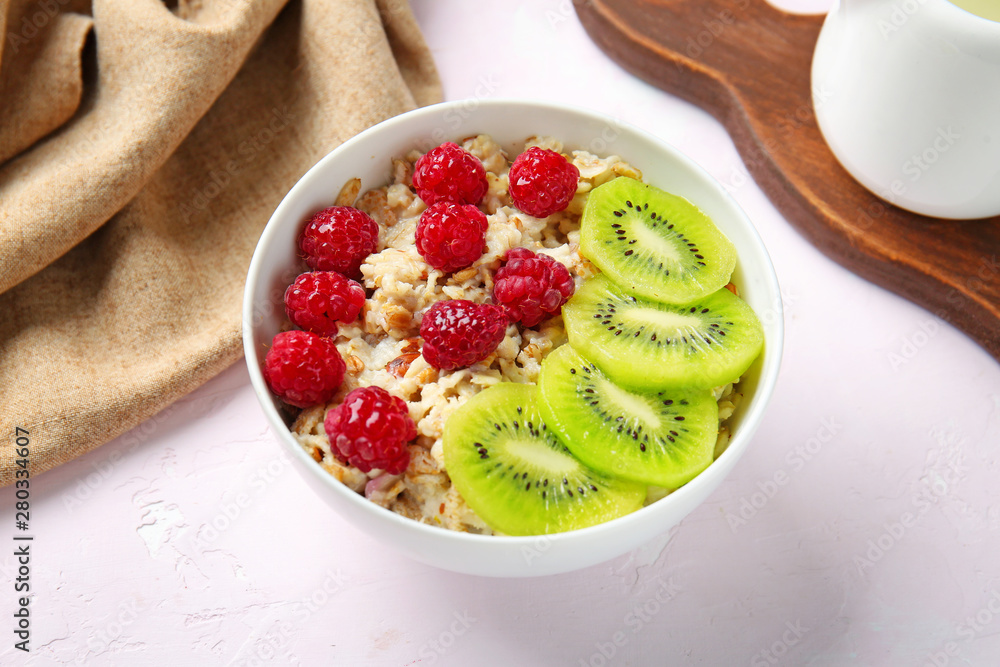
[
  {"x": 653, "y": 243},
  {"x": 645, "y": 344},
  {"x": 518, "y": 476},
  {"x": 664, "y": 438}
]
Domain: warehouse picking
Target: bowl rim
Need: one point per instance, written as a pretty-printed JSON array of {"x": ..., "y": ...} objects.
[{"x": 763, "y": 392}]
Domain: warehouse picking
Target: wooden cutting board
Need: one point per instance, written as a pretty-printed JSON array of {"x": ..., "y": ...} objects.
[{"x": 747, "y": 63}]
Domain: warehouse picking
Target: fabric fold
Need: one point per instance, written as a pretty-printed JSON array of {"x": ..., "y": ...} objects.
[
  {"x": 125, "y": 236},
  {"x": 41, "y": 83},
  {"x": 157, "y": 75}
]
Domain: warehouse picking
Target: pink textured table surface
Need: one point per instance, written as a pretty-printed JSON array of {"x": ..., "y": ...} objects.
[{"x": 860, "y": 528}]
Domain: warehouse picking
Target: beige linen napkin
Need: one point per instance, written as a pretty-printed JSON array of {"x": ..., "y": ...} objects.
[{"x": 143, "y": 147}]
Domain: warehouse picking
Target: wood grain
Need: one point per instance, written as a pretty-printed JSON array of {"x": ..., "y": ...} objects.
[{"x": 747, "y": 63}]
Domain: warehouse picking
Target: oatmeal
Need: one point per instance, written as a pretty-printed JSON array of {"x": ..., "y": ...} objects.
[{"x": 383, "y": 347}]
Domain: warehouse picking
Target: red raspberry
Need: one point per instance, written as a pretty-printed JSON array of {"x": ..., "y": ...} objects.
[
  {"x": 449, "y": 173},
  {"x": 451, "y": 236},
  {"x": 531, "y": 287},
  {"x": 370, "y": 430},
  {"x": 339, "y": 238},
  {"x": 459, "y": 333},
  {"x": 317, "y": 301},
  {"x": 542, "y": 182},
  {"x": 303, "y": 368}
]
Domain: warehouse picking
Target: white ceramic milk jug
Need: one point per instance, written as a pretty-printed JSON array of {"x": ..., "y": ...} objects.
[{"x": 907, "y": 95}]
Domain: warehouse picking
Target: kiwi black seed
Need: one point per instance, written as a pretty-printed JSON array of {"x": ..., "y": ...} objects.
[
  {"x": 664, "y": 438},
  {"x": 645, "y": 344},
  {"x": 518, "y": 476},
  {"x": 653, "y": 243}
]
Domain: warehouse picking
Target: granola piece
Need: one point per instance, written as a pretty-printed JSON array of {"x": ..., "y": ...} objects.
[
  {"x": 546, "y": 142},
  {"x": 489, "y": 153},
  {"x": 376, "y": 204},
  {"x": 349, "y": 193}
]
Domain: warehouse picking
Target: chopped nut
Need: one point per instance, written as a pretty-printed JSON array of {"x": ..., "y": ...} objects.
[
  {"x": 453, "y": 292},
  {"x": 591, "y": 167},
  {"x": 533, "y": 351},
  {"x": 375, "y": 204},
  {"x": 497, "y": 184},
  {"x": 402, "y": 172},
  {"x": 732, "y": 288},
  {"x": 422, "y": 463},
  {"x": 427, "y": 375},
  {"x": 397, "y": 319},
  {"x": 317, "y": 454},
  {"x": 627, "y": 170},
  {"x": 721, "y": 442},
  {"x": 585, "y": 269},
  {"x": 349, "y": 193},
  {"x": 465, "y": 274},
  {"x": 370, "y": 322},
  {"x": 412, "y": 345},
  {"x": 354, "y": 364},
  {"x": 401, "y": 364},
  {"x": 546, "y": 142}
]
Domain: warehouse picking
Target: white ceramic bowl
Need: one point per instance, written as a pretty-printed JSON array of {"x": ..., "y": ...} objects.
[{"x": 367, "y": 156}]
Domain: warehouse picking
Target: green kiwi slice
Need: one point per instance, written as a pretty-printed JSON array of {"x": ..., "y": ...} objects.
[
  {"x": 664, "y": 438},
  {"x": 653, "y": 243},
  {"x": 518, "y": 476},
  {"x": 645, "y": 344}
]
